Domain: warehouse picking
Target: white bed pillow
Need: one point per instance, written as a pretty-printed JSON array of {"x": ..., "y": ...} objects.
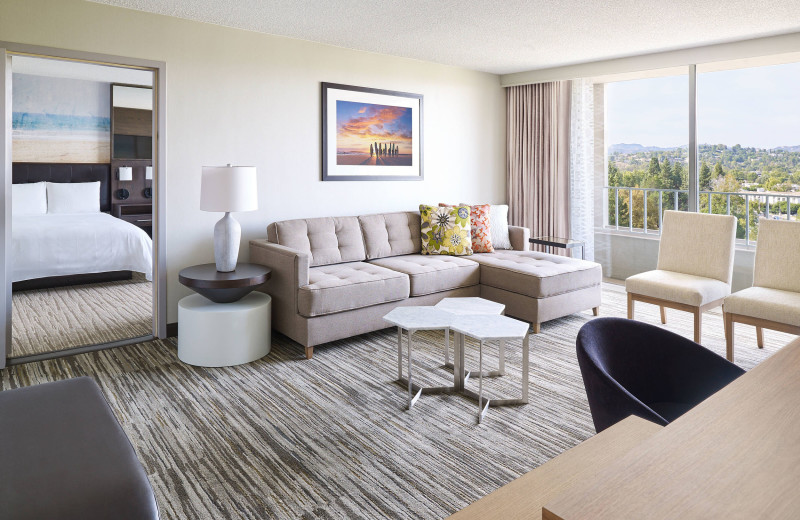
[
  {"x": 28, "y": 199},
  {"x": 73, "y": 197},
  {"x": 498, "y": 218}
]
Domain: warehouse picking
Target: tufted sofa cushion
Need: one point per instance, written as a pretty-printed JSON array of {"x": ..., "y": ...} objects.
[
  {"x": 391, "y": 234},
  {"x": 328, "y": 240},
  {"x": 343, "y": 287},
  {"x": 433, "y": 273},
  {"x": 535, "y": 274}
]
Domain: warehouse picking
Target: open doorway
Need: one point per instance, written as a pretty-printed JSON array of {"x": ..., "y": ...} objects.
[{"x": 84, "y": 270}]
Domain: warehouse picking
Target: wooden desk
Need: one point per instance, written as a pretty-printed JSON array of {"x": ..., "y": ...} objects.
[
  {"x": 525, "y": 496},
  {"x": 735, "y": 455}
]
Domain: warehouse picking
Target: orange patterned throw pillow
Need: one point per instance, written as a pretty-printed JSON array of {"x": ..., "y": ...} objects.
[{"x": 480, "y": 227}]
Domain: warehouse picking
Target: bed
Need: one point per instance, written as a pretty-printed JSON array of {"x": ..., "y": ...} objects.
[{"x": 69, "y": 238}]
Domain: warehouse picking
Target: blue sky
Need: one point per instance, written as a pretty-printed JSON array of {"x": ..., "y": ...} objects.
[{"x": 753, "y": 107}]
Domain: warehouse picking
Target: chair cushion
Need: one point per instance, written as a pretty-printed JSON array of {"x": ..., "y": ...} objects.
[
  {"x": 677, "y": 287},
  {"x": 698, "y": 244},
  {"x": 328, "y": 240},
  {"x": 777, "y": 251},
  {"x": 432, "y": 274},
  {"x": 766, "y": 304},
  {"x": 343, "y": 287},
  {"x": 536, "y": 274},
  {"x": 391, "y": 234},
  {"x": 65, "y": 456}
]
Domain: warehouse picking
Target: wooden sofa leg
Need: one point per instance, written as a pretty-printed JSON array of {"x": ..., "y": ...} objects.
[
  {"x": 760, "y": 336},
  {"x": 697, "y": 325},
  {"x": 663, "y": 315},
  {"x": 728, "y": 320},
  {"x": 537, "y": 327},
  {"x": 309, "y": 352},
  {"x": 596, "y": 311},
  {"x": 630, "y": 306}
]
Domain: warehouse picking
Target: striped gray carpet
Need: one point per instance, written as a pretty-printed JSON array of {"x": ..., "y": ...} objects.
[
  {"x": 329, "y": 438},
  {"x": 47, "y": 320}
]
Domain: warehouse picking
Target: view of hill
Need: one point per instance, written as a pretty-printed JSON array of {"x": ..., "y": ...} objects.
[
  {"x": 776, "y": 169},
  {"x": 724, "y": 169}
]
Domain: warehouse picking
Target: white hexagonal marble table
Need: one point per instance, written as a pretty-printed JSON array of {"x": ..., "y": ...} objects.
[
  {"x": 473, "y": 317},
  {"x": 486, "y": 328},
  {"x": 472, "y": 306},
  {"x": 412, "y": 319}
]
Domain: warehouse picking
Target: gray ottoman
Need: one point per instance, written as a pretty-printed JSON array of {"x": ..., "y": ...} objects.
[{"x": 64, "y": 455}]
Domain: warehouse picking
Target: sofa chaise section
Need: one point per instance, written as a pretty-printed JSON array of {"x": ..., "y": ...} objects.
[{"x": 539, "y": 287}]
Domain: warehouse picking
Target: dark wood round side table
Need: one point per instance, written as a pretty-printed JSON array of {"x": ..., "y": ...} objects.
[{"x": 224, "y": 287}]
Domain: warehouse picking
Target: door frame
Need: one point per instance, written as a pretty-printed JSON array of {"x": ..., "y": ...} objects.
[{"x": 159, "y": 69}]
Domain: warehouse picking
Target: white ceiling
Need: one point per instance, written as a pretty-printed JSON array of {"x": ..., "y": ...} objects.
[{"x": 500, "y": 36}]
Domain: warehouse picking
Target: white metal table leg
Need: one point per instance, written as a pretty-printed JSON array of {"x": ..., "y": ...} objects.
[
  {"x": 447, "y": 347},
  {"x": 501, "y": 364},
  {"x": 412, "y": 399},
  {"x": 482, "y": 409},
  {"x": 399, "y": 353},
  {"x": 525, "y": 368}
]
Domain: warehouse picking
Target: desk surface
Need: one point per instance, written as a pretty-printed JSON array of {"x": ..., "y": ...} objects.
[
  {"x": 525, "y": 496},
  {"x": 735, "y": 455}
]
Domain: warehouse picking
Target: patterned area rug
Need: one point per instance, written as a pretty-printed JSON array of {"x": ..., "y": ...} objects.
[
  {"x": 330, "y": 438},
  {"x": 48, "y": 320}
]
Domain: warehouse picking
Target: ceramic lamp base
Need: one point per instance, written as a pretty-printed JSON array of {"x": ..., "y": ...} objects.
[{"x": 227, "y": 234}]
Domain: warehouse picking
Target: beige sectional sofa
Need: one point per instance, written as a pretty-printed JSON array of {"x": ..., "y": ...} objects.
[{"x": 336, "y": 277}]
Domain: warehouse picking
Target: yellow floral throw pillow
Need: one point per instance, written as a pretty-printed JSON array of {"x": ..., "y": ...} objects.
[{"x": 446, "y": 230}]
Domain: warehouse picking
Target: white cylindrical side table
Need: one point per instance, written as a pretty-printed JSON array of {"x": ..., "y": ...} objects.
[{"x": 224, "y": 334}]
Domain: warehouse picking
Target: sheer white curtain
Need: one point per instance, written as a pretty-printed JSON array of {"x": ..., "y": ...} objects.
[{"x": 581, "y": 164}]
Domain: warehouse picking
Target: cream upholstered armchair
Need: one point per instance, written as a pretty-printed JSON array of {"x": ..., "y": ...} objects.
[
  {"x": 695, "y": 266},
  {"x": 773, "y": 302}
]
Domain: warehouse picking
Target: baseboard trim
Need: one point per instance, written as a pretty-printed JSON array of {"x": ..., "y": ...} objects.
[{"x": 172, "y": 330}]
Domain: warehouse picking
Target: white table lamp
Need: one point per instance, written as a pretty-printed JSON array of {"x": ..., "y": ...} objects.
[{"x": 228, "y": 188}]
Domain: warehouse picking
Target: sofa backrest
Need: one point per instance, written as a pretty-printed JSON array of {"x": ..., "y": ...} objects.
[
  {"x": 391, "y": 234},
  {"x": 326, "y": 240}
]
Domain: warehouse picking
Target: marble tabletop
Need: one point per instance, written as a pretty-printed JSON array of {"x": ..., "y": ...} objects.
[
  {"x": 419, "y": 318},
  {"x": 470, "y": 305},
  {"x": 488, "y": 327}
]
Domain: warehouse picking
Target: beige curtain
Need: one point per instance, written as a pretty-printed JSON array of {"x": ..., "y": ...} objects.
[{"x": 537, "y": 170}]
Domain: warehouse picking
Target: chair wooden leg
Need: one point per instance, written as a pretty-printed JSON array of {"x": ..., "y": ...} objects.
[
  {"x": 596, "y": 311},
  {"x": 726, "y": 318},
  {"x": 630, "y": 306},
  {"x": 309, "y": 352},
  {"x": 697, "y": 325},
  {"x": 663, "y": 314},
  {"x": 537, "y": 327},
  {"x": 760, "y": 336}
]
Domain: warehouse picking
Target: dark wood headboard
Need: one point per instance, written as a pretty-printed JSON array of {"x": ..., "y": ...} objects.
[{"x": 25, "y": 172}]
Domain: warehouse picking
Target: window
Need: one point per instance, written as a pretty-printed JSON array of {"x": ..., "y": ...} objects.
[
  {"x": 748, "y": 147},
  {"x": 748, "y": 134},
  {"x": 646, "y": 129}
]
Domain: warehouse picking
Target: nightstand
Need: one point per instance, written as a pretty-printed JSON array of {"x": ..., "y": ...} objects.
[{"x": 140, "y": 215}]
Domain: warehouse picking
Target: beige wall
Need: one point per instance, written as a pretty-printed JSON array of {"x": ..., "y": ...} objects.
[{"x": 247, "y": 98}]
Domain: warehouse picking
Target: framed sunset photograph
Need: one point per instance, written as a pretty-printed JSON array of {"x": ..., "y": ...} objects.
[{"x": 370, "y": 134}]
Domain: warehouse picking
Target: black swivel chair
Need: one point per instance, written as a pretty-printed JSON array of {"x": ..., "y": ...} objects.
[{"x": 632, "y": 368}]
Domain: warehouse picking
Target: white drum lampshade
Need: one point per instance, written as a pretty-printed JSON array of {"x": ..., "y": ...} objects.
[{"x": 227, "y": 189}]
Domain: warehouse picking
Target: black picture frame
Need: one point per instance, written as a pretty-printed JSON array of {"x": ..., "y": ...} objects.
[{"x": 393, "y": 167}]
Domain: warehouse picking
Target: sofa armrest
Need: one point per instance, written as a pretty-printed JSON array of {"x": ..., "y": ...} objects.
[
  {"x": 519, "y": 238},
  {"x": 289, "y": 266}
]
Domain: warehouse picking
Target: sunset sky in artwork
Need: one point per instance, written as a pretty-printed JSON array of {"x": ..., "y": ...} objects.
[{"x": 360, "y": 124}]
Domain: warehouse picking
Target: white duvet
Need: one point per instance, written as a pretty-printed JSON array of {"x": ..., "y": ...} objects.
[{"x": 66, "y": 244}]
